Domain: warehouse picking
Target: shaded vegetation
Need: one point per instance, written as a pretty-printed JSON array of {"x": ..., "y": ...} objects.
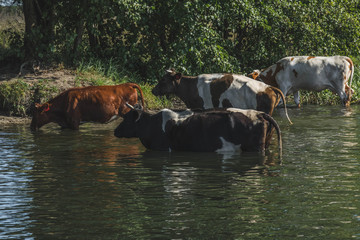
[
  {"x": 11, "y": 38},
  {"x": 112, "y": 41},
  {"x": 194, "y": 36}
]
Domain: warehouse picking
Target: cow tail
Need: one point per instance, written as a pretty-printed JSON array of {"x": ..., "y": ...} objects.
[
  {"x": 277, "y": 128},
  {"x": 278, "y": 91},
  {"x": 351, "y": 75},
  {"x": 134, "y": 85}
]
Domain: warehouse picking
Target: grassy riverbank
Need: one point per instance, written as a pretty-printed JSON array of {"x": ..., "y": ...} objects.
[{"x": 17, "y": 93}]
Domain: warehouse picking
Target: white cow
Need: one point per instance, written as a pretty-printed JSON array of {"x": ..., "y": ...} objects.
[{"x": 292, "y": 74}]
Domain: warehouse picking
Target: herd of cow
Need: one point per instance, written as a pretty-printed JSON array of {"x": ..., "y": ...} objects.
[{"x": 228, "y": 111}]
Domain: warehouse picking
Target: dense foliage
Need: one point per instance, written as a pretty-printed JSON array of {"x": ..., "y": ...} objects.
[{"x": 195, "y": 36}]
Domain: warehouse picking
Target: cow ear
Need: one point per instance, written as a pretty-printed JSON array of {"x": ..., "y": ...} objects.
[
  {"x": 255, "y": 75},
  {"x": 38, "y": 105},
  {"x": 45, "y": 107},
  {"x": 178, "y": 76},
  {"x": 137, "y": 115}
]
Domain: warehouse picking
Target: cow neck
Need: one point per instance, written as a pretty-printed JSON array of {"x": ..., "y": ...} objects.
[
  {"x": 187, "y": 91},
  {"x": 143, "y": 121},
  {"x": 60, "y": 102},
  {"x": 150, "y": 131},
  {"x": 268, "y": 76}
]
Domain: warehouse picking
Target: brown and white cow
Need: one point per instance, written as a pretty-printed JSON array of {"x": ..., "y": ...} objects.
[
  {"x": 292, "y": 74},
  {"x": 215, "y": 130},
  {"x": 220, "y": 90},
  {"x": 94, "y": 103}
]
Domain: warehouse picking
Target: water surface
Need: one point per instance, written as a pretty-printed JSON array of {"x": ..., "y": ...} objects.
[{"x": 88, "y": 184}]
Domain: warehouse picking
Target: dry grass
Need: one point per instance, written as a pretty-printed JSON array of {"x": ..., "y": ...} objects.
[
  {"x": 11, "y": 18},
  {"x": 12, "y": 28}
]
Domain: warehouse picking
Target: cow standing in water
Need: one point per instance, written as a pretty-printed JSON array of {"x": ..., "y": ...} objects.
[
  {"x": 292, "y": 74},
  {"x": 95, "y": 104},
  {"x": 219, "y": 130},
  {"x": 209, "y": 91}
]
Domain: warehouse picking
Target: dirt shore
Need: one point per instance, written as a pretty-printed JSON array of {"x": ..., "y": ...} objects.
[
  {"x": 62, "y": 79},
  {"x": 6, "y": 120}
]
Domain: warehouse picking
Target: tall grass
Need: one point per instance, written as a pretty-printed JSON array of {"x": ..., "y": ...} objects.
[
  {"x": 106, "y": 70},
  {"x": 98, "y": 72},
  {"x": 356, "y": 83},
  {"x": 16, "y": 96}
]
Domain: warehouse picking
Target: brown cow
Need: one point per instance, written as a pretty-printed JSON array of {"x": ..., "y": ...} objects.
[{"x": 95, "y": 103}]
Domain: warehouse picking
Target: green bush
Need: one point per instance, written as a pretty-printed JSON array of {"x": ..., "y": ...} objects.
[
  {"x": 196, "y": 36},
  {"x": 111, "y": 42},
  {"x": 14, "y": 98},
  {"x": 11, "y": 33}
]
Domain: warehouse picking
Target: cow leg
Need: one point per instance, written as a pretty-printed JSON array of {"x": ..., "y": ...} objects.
[
  {"x": 63, "y": 125},
  {"x": 342, "y": 94},
  {"x": 75, "y": 126},
  {"x": 73, "y": 121},
  {"x": 297, "y": 98},
  {"x": 349, "y": 92}
]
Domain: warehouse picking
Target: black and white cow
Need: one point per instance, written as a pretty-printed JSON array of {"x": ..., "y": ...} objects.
[
  {"x": 208, "y": 91},
  {"x": 217, "y": 130}
]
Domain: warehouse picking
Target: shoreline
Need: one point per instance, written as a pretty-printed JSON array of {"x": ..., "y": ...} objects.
[
  {"x": 8, "y": 120},
  {"x": 62, "y": 79}
]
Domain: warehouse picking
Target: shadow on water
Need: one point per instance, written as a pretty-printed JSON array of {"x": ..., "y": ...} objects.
[
  {"x": 239, "y": 162},
  {"x": 116, "y": 188}
]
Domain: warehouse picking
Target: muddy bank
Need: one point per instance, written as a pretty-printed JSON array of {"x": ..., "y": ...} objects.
[
  {"x": 5, "y": 120},
  {"x": 17, "y": 91},
  {"x": 50, "y": 83}
]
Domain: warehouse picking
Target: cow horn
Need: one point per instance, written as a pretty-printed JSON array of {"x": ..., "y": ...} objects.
[
  {"x": 169, "y": 71},
  {"x": 129, "y": 106},
  {"x": 139, "y": 111},
  {"x": 139, "y": 115}
]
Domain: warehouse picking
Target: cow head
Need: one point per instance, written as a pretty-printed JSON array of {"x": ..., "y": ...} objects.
[
  {"x": 168, "y": 83},
  {"x": 128, "y": 127},
  {"x": 40, "y": 116},
  {"x": 255, "y": 74}
]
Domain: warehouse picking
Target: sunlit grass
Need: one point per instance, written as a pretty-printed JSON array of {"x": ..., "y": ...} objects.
[{"x": 96, "y": 73}]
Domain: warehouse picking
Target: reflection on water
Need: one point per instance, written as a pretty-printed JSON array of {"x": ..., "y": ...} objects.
[
  {"x": 14, "y": 206},
  {"x": 89, "y": 184}
]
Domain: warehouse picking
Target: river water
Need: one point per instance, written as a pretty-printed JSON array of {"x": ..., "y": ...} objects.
[{"x": 88, "y": 184}]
